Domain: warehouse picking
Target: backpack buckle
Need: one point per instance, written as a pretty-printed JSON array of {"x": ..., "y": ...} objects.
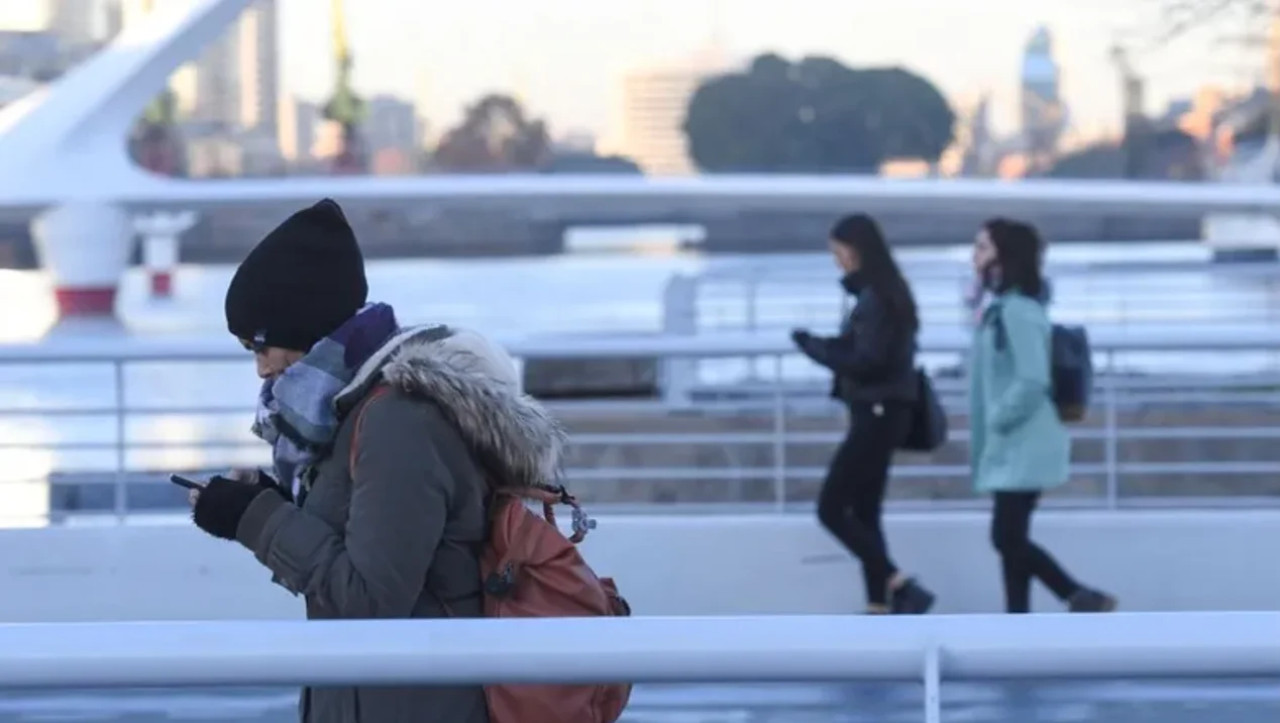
[
  {"x": 582, "y": 523},
  {"x": 561, "y": 492},
  {"x": 500, "y": 583}
]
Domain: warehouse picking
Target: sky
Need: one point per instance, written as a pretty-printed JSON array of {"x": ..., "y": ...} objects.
[{"x": 565, "y": 58}]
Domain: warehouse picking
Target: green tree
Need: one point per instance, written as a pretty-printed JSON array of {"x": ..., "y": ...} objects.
[
  {"x": 154, "y": 142},
  {"x": 495, "y": 135},
  {"x": 1168, "y": 154},
  {"x": 586, "y": 162},
  {"x": 815, "y": 116}
]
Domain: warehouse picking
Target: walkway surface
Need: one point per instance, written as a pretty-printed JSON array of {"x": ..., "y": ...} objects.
[{"x": 1186, "y": 701}]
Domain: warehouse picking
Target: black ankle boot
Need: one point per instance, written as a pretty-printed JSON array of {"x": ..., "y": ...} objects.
[
  {"x": 1086, "y": 600},
  {"x": 911, "y": 599}
]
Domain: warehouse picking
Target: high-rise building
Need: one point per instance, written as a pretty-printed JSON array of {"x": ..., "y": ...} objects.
[
  {"x": 654, "y": 105},
  {"x": 234, "y": 83},
  {"x": 113, "y": 18},
  {"x": 77, "y": 23},
  {"x": 392, "y": 135},
  {"x": 226, "y": 99},
  {"x": 1043, "y": 112},
  {"x": 392, "y": 123},
  {"x": 258, "y": 60},
  {"x": 30, "y": 55},
  {"x": 297, "y": 121}
]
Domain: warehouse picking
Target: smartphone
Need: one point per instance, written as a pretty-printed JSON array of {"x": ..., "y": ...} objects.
[{"x": 184, "y": 482}]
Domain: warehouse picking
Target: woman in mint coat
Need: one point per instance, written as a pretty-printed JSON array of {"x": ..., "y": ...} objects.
[{"x": 1019, "y": 447}]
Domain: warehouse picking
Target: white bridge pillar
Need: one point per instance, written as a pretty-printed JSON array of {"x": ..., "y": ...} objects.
[
  {"x": 161, "y": 233},
  {"x": 85, "y": 247},
  {"x": 679, "y": 316}
]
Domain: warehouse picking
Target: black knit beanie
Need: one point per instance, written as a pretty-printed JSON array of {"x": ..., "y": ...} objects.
[{"x": 300, "y": 283}]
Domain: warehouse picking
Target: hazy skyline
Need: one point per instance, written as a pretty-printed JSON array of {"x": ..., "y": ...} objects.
[{"x": 566, "y": 57}]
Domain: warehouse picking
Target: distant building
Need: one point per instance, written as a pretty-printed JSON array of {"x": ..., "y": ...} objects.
[
  {"x": 113, "y": 18},
  {"x": 1240, "y": 139},
  {"x": 1043, "y": 113},
  {"x": 235, "y": 80},
  {"x": 392, "y": 123},
  {"x": 393, "y": 162},
  {"x": 30, "y": 54},
  {"x": 43, "y": 38},
  {"x": 1198, "y": 115},
  {"x": 226, "y": 100},
  {"x": 654, "y": 105},
  {"x": 78, "y": 28},
  {"x": 327, "y": 141},
  {"x": 77, "y": 23},
  {"x": 221, "y": 154},
  {"x": 297, "y": 122}
]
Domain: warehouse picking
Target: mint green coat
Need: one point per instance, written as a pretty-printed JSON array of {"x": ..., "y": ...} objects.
[{"x": 1018, "y": 443}]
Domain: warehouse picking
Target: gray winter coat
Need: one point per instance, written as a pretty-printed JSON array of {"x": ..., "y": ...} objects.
[{"x": 402, "y": 533}]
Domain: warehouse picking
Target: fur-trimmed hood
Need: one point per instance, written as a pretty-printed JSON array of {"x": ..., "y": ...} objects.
[{"x": 474, "y": 382}]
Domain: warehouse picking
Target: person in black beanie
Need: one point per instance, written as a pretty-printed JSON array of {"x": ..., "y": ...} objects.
[
  {"x": 385, "y": 444},
  {"x": 305, "y": 279}
]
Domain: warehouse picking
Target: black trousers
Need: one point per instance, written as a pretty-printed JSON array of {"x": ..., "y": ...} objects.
[
  {"x": 852, "y": 496},
  {"x": 1021, "y": 560}
]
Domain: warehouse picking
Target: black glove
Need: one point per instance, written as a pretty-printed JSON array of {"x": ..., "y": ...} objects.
[
  {"x": 222, "y": 503},
  {"x": 807, "y": 343},
  {"x": 266, "y": 482}
]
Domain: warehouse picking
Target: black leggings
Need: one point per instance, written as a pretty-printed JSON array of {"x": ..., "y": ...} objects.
[
  {"x": 1020, "y": 558},
  {"x": 852, "y": 495}
]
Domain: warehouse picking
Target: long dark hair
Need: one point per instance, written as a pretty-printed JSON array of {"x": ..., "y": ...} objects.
[
  {"x": 1019, "y": 253},
  {"x": 879, "y": 270}
]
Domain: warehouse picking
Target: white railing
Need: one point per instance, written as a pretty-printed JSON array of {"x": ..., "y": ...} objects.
[
  {"x": 931, "y": 650},
  {"x": 764, "y": 295},
  {"x": 127, "y": 432},
  {"x": 939, "y": 340}
]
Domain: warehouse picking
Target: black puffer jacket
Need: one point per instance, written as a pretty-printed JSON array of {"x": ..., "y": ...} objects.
[{"x": 873, "y": 357}]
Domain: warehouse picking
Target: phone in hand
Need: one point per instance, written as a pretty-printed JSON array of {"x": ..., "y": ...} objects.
[{"x": 184, "y": 482}]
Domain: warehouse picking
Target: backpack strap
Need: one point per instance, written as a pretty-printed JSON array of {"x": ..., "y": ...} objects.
[
  {"x": 995, "y": 315},
  {"x": 550, "y": 497},
  {"x": 380, "y": 391},
  {"x": 373, "y": 395}
]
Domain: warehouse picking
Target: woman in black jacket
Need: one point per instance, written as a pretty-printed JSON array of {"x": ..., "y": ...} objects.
[{"x": 873, "y": 360}]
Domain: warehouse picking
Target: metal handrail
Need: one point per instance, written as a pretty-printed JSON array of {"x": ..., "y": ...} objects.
[
  {"x": 723, "y": 291},
  {"x": 772, "y": 396},
  {"x": 954, "y": 339},
  {"x": 801, "y": 648},
  {"x": 808, "y": 265}
]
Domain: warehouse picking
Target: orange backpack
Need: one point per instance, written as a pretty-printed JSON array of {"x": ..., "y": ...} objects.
[{"x": 529, "y": 569}]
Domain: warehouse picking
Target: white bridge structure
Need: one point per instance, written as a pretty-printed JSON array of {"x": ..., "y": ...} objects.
[
  {"x": 65, "y": 159},
  {"x": 652, "y": 650}
]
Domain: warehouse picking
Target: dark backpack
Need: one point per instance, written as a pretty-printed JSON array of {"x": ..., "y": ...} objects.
[
  {"x": 1070, "y": 371},
  {"x": 1070, "y": 368}
]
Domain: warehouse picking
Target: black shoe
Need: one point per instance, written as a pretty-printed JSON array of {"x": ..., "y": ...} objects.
[
  {"x": 911, "y": 599},
  {"x": 1091, "y": 601}
]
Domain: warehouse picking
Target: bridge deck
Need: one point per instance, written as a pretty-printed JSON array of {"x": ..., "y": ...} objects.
[{"x": 1116, "y": 701}]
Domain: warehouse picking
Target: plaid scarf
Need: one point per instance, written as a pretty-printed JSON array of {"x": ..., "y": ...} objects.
[{"x": 296, "y": 413}]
